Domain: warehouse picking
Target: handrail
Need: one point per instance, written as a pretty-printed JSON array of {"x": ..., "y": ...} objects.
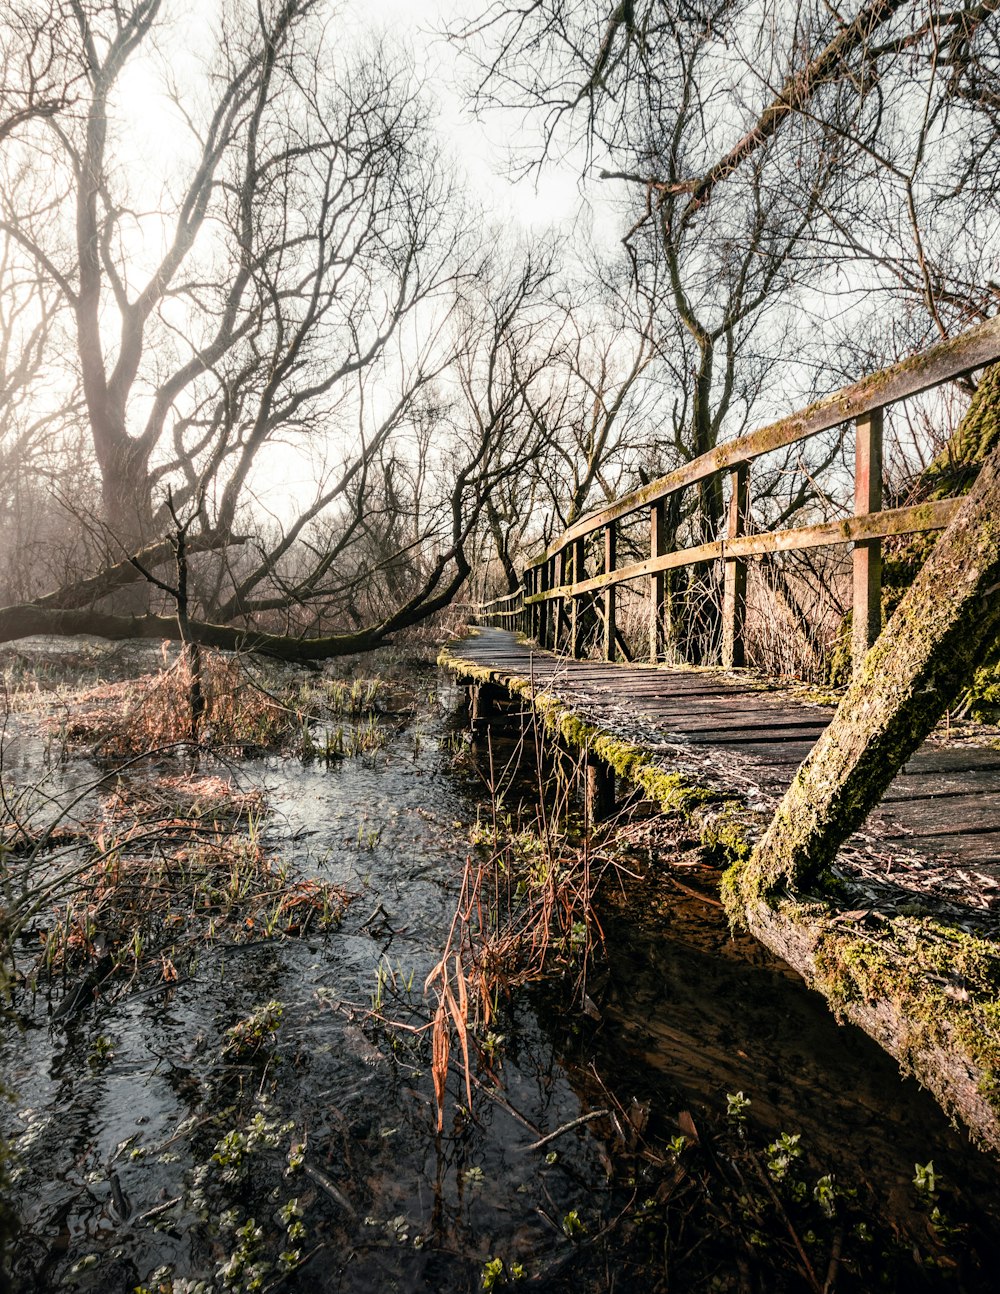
[
  {"x": 932, "y": 367},
  {"x": 513, "y": 618},
  {"x": 875, "y": 525},
  {"x": 549, "y": 606},
  {"x": 504, "y": 597}
]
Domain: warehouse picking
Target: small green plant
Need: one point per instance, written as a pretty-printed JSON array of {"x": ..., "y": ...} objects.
[
  {"x": 737, "y": 1106},
  {"x": 368, "y": 837},
  {"x": 492, "y": 1272},
  {"x": 924, "y": 1179},
  {"x": 573, "y": 1224},
  {"x": 101, "y": 1051},
  {"x": 782, "y": 1154},
  {"x": 247, "y": 1038},
  {"x": 826, "y": 1194}
]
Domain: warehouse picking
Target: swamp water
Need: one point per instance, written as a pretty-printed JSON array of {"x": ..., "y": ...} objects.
[{"x": 146, "y": 1156}]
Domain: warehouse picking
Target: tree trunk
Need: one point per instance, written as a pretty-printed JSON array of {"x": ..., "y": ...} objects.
[
  {"x": 924, "y": 658},
  {"x": 955, "y": 468}
]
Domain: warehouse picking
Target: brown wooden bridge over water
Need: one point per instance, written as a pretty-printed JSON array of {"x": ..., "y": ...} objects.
[
  {"x": 938, "y": 829},
  {"x": 932, "y": 847}
]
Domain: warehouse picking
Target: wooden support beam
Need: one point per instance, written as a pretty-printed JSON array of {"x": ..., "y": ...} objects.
[
  {"x": 734, "y": 597},
  {"x": 600, "y": 789},
  {"x": 546, "y": 606},
  {"x": 657, "y": 581},
  {"x": 550, "y": 640},
  {"x": 576, "y": 608},
  {"x": 867, "y": 555},
  {"x": 610, "y": 622},
  {"x": 561, "y": 563},
  {"x": 484, "y": 700}
]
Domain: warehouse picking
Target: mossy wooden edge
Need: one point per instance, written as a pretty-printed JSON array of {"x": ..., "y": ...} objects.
[
  {"x": 927, "y": 994},
  {"x": 724, "y": 827}
]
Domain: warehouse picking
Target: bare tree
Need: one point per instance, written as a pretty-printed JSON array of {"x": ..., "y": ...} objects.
[{"x": 298, "y": 320}]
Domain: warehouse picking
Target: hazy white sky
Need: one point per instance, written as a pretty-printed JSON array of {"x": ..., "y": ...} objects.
[{"x": 555, "y": 199}]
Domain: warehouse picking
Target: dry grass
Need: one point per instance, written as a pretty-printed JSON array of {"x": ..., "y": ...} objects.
[
  {"x": 121, "y": 720},
  {"x": 165, "y": 870},
  {"x": 525, "y": 909}
]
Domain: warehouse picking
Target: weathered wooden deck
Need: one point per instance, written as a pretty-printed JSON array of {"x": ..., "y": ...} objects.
[{"x": 937, "y": 831}]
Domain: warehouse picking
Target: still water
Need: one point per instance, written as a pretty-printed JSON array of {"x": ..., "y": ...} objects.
[{"x": 146, "y": 1157}]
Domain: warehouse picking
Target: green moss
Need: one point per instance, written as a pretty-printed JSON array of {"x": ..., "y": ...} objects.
[
  {"x": 726, "y": 838},
  {"x": 983, "y": 695},
  {"x": 466, "y": 669},
  {"x": 672, "y": 791},
  {"x": 941, "y": 985},
  {"x": 941, "y": 982}
]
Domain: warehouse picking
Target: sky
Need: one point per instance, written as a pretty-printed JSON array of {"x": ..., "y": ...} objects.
[{"x": 558, "y": 198}]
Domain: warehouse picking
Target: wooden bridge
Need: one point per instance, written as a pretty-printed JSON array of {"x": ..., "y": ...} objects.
[
  {"x": 925, "y": 872},
  {"x": 937, "y": 832}
]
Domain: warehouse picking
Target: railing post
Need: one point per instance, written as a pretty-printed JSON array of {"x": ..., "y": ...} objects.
[
  {"x": 734, "y": 593},
  {"x": 550, "y": 606},
  {"x": 867, "y": 552},
  {"x": 533, "y": 609},
  {"x": 562, "y": 618},
  {"x": 610, "y": 625},
  {"x": 575, "y": 611},
  {"x": 657, "y": 581},
  {"x": 523, "y": 618},
  {"x": 543, "y": 607}
]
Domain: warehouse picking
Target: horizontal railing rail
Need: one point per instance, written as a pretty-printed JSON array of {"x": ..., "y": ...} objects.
[
  {"x": 504, "y": 612},
  {"x": 548, "y": 608},
  {"x": 931, "y": 368}
]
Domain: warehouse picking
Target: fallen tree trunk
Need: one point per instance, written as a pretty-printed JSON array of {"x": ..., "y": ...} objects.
[
  {"x": 919, "y": 665},
  {"x": 129, "y": 571},
  {"x": 25, "y": 620}
]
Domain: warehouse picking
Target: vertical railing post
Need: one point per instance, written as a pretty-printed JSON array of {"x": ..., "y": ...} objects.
[
  {"x": 658, "y": 580},
  {"x": 543, "y": 607},
  {"x": 533, "y": 615},
  {"x": 523, "y": 619},
  {"x": 562, "y": 617},
  {"x": 867, "y": 552},
  {"x": 576, "y": 609},
  {"x": 550, "y": 637},
  {"x": 610, "y": 624},
  {"x": 734, "y": 592}
]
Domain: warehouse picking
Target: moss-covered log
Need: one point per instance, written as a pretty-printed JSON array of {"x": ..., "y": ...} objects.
[
  {"x": 977, "y": 435},
  {"x": 924, "y": 658}
]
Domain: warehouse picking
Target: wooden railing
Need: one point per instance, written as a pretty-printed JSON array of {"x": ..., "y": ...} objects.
[
  {"x": 549, "y": 607},
  {"x": 506, "y": 612}
]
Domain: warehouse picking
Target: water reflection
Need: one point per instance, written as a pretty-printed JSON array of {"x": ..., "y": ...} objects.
[{"x": 332, "y": 1131}]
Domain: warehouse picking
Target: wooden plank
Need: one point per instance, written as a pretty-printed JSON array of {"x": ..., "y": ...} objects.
[
  {"x": 932, "y": 367},
  {"x": 934, "y": 515}
]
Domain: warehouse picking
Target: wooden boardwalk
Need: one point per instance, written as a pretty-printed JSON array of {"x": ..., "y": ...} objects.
[{"x": 937, "y": 831}]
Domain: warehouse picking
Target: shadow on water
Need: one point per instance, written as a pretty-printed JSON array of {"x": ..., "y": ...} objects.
[{"x": 147, "y": 1153}]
